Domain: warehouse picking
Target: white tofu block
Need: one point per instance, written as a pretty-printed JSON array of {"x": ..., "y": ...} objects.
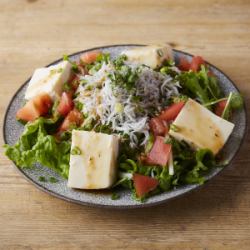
[
  {"x": 201, "y": 128},
  {"x": 95, "y": 167},
  {"x": 49, "y": 80},
  {"x": 152, "y": 56}
]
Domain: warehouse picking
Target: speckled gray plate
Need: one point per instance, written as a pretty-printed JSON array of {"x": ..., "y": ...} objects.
[{"x": 12, "y": 130}]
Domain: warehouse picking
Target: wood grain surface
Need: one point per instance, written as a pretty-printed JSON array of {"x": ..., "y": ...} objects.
[{"x": 35, "y": 32}]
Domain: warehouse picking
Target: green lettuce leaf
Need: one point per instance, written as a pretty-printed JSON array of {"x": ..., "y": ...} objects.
[
  {"x": 204, "y": 161},
  {"x": 210, "y": 83},
  {"x": 200, "y": 85},
  {"x": 234, "y": 101},
  {"x": 192, "y": 86},
  {"x": 37, "y": 146}
]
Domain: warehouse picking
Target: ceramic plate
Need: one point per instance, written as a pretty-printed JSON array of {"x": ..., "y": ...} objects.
[{"x": 12, "y": 130}]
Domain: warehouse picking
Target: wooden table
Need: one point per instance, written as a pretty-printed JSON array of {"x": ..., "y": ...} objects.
[{"x": 36, "y": 32}]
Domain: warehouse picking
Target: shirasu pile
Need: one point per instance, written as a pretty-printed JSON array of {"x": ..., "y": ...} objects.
[{"x": 125, "y": 111}]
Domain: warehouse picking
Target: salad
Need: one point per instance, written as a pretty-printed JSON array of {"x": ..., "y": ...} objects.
[{"x": 139, "y": 121}]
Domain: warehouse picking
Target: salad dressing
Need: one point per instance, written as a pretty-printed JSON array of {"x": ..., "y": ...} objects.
[
  {"x": 204, "y": 135},
  {"x": 200, "y": 127}
]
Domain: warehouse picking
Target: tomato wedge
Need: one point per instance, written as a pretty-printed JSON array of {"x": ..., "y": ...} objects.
[
  {"x": 74, "y": 118},
  {"x": 144, "y": 184},
  {"x": 196, "y": 63},
  {"x": 219, "y": 108},
  {"x": 171, "y": 112},
  {"x": 34, "y": 108},
  {"x": 89, "y": 57},
  {"x": 157, "y": 126},
  {"x": 43, "y": 103},
  {"x": 66, "y": 104},
  {"x": 28, "y": 112},
  {"x": 74, "y": 83},
  {"x": 184, "y": 64},
  {"x": 160, "y": 152}
]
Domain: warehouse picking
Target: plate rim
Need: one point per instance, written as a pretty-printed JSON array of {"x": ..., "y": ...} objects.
[{"x": 133, "y": 206}]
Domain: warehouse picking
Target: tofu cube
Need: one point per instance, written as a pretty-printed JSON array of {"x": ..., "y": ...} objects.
[
  {"x": 201, "y": 128},
  {"x": 49, "y": 80},
  {"x": 94, "y": 167},
  {"x": 152, "y": 56}
]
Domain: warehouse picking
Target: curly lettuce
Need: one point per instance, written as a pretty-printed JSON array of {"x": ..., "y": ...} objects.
[{"x": 36, "y": 145}]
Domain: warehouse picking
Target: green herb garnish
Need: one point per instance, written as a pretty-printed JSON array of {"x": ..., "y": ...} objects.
[
  {"x": 65, "y": 57},
  {"x": 115, "y": 196},
  {"x": 42, "y": 179},
  {"x": 174, "y": 128},
  {"x": 236, "y": 101},
  {"x": 83, "y": 82},
  {"x": 66, "y": 87},
  {"x": 76, "y": 151},
  {"x": 149, "y": 144},
  {"x": 78, "y": 105},
  {"x": 53, "y": 180}
]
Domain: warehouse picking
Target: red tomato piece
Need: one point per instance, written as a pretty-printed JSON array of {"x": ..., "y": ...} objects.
[
  {"x": 43, "y": 103},
  {"x": 89, "y": 57},
  {"x": 74, "y": 118},
  {"x": 35, "y": 108},
  {"x": 160, "y": 152},
  {"x": 74, "y": 83},
  {"x": 220, "y": 106},
  {"x": 184, "y": 64},
  {"x": 66, "y": 104},
  {"x": 157, "y": 126},
  {"x": 28, "y": 112},
  {"x": 171, "y": 112},
  {"x": 196, "y": 63},
  {"x": 144, "y": 184}
]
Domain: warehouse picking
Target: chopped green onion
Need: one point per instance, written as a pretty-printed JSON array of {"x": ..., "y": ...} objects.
[
  {"x": 83, "y": 82},
  {"x": 76, "y": 151},
  {"x": 66, "y": 87},
  {"x": 149, "y": 144},
  {"x": 42, "y": 179},
  {"x": 78, "y": 105},
  {"x": 53, "y": 180},
  {"x": 89, "y": 87},
  {"x": 133, "y": 164},
  {"x": 65, "y": 57},
  {"x": 60, "y": 70},
  {"x": 174, "y": 128},
  {"x": 236, "y": 101},
  {"x": 74, "y": 67},
  {"x": 88, "y": 123},
  {"x": 115, "y": 196}
]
